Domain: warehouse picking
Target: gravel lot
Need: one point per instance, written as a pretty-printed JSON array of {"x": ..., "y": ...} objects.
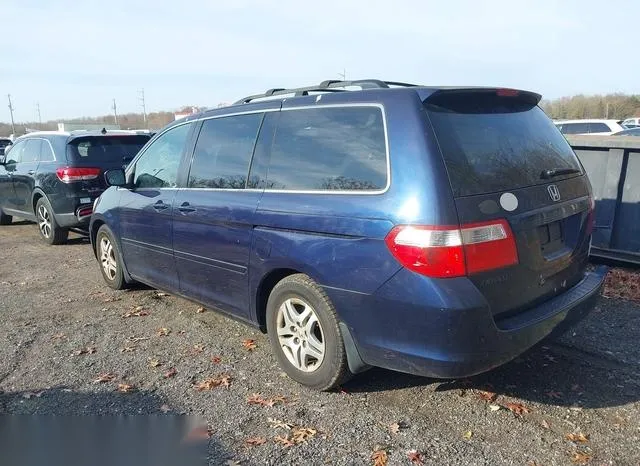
[{"x": 62, "y": 328}]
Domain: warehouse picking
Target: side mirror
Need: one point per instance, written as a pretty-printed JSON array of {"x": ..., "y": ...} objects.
[{"x": 115, "y": 177}]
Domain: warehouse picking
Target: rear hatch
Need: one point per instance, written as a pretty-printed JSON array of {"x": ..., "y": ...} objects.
[
  {"x": 506, "y": 160},
  {"x": 90, "y": 156}
]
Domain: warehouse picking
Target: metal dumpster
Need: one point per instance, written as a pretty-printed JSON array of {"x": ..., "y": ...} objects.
[{"x": 613, "y": 166}]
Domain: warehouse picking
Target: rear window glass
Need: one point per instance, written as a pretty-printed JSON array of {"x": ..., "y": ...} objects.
[
  {"x": 599, "y": 128},
  {"x": 329, "y": 149},
  {"x": 491, "y": 143},
  {"x": 106, "y": 148}
]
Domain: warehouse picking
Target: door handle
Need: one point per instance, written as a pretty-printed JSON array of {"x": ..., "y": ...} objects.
[
  {"x": 31, "y": 172},
  {"x": 185, "y": 208},
  {"x": 160, "y": 206}
]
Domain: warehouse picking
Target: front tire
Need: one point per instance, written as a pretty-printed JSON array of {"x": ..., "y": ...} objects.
[
  {"x": 305, "y": 337},
  {"x": 108, "y": 255},
  {"x": 49, "y": 229},
  {"x": 5, "y": 219}
]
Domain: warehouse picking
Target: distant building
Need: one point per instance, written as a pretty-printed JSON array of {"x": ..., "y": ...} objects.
[{"x": 185, "y": 112}]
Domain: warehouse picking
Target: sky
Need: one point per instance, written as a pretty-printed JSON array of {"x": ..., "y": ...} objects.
[{"x": 74, "y": 57}]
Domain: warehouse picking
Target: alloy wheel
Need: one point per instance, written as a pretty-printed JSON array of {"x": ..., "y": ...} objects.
[
  {"x": 108, "y": 258},
  {"x": 44, "y": 221},
  {"x": 300, "y": 335}
]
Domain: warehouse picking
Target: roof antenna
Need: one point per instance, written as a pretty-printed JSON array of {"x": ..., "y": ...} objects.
[{"x": 104, "y": 131}]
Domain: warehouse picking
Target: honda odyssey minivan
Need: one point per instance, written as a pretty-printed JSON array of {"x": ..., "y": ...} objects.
[{"x": 429, "y": 230}]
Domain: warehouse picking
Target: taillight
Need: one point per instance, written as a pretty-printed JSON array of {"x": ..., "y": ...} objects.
[
  {"x": 507, "y": 93},
  {"x": 70, "y": 174},
  {"x": 443, "y": 252}
]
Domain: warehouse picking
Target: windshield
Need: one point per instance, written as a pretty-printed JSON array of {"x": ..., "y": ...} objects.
[
  {"x": 96, "y": 149},
  {"x": 492, "y": 143}
]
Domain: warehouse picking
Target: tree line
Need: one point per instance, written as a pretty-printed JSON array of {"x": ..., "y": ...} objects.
[
  {"x": 155, "y": 121},
  {"x": 611, "y": 106}
]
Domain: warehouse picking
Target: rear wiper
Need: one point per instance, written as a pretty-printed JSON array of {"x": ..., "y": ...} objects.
[{"x": 553, "y": 172}]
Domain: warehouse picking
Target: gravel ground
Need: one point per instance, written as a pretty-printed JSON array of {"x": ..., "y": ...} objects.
[{"x": 62, "y": 328}]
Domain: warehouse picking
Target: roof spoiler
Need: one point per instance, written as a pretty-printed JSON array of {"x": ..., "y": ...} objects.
[{"x": 525, "y": 96}]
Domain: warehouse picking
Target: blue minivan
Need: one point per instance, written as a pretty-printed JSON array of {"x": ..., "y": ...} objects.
[{"x": 429, "y": 230}]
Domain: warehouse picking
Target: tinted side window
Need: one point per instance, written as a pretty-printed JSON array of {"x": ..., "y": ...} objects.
[
  {"x": 31, "y": 151},
  {"x": 324, "y": 149},
  {"x": 575, "y": 128},
  {"x": 15, "y": 154},
  {"x": 223, "y": 152},
  {"x": 158, "y": 166},
  {"x": 46, "y": 154},
  {"x": 599, "y": 128}
]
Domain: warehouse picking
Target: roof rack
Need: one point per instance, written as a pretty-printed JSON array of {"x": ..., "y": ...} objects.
[{"x": 327, "y": 86}]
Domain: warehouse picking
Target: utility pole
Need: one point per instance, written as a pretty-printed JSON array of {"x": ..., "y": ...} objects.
[
  {"x": 115, "y": 111},
  {"x": 144, "y": 107},
  {"x": 343, "y": 75},
  {"x": 13, "y": 126},
  {"x": 39, "y": 116},
  {"x": 606, "y": 114}
]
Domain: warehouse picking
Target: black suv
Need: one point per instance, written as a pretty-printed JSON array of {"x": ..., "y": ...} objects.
[{"x": 53, "y": 178}]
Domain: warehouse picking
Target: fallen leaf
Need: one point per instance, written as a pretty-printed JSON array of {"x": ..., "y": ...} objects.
[
  {"x": 517, "y": 409},
  {"x": 216, "y": 359},
  {"x": 161, "y": 294},
  {"x": 211, "y": 383},
  {"x": 494, "y": 407},
  {"x": 379, "y": 458},
  {"x": 487, "y": 396},
  {"x": 111, "y": 299},
  {"x": 163, "y": 332},
  {"x": 128, "y": 349},
  {"x": 200, "y": 310},
  {"x": 165, "y": 408},
  {"x": 415, "y": 457},
  {"x": 545, "y": 424},
  {"x": 104, "y": 377},
  {"x": 59, "y": 336},
  {"x": 125, "y": 388},
  {"x": 580, "y": 457},
  {"x": 275, "y": 423},
  {"x": 87, "y": 350},
  {"x": 577, "y": 438},
  {"x": 196, "y": 349},
  {"x": 170, "y": 373},
  {"x": 249, "y": 344},
  {"x": 555, "y": 395},
  {"x": 394, "y": 428},
  {"x": 302, "y": 434},
  {"x": 154, "y": 363},
  {"x": 257, "y": 399},
  {"x": 255, "y": 441},
  {"x": 467, "y": 435},
  {"x": 284, "y": 441},
  {"x": 138, "y": 311},
  {"x": 134, "y": 339}
]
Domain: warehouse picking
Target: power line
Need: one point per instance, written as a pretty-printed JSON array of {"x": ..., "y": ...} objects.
[
  {"x": 144, "y": 107},
  {"x": 115, "y": 112},
  {"x": 13, "y": 126}
]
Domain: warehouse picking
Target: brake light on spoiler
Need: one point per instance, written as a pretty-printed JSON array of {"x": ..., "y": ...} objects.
[
  {"x": 71, "y": 174},
  {"x": 449, "y": 251}
]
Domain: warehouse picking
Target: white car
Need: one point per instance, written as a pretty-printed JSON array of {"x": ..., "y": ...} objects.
[
  {"x": 631, "y": 122},
  {"x": 600, "y": 127}
]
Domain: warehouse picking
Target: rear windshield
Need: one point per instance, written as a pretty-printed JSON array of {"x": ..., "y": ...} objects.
[
  {"x": 96, "y": 149},
  {"x": 492, "y": 143}
]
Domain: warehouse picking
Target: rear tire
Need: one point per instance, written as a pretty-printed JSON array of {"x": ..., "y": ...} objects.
[
  {"x": 49, "y": 229},
  {"x": 108, "y": 256},
  {"x": 305, "y": 337},
  {"x": 5, "y": 219}
]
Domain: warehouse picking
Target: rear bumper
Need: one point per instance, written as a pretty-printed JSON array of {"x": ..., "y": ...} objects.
[
  {"x": 454, "y": 335},
  {"x": 73, "y": 221}
]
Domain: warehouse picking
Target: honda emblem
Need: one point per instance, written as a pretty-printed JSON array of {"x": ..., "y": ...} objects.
[{"x": 554, "y": 192}]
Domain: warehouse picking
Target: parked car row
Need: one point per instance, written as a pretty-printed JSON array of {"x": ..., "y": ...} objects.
[
  {"x": 420, "y": 229},
  {"x": 598, "y": 127}
]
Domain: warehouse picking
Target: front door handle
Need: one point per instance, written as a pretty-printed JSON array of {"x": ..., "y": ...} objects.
[
  {"x": 160, "y": 206},
  {"x": 185, "y": 208},
  {"x": 31, "y": 172}
]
